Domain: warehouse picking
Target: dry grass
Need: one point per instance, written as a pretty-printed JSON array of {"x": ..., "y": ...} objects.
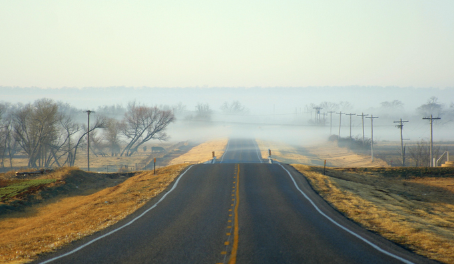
[
  {"x": 55, "y": 223},
  {"x": 282, "y": 152},
  {"x": 343, "y": 157},
  {"x": 414, "y": 213},
  {"x": 329, "y": 151},
  {"x": 99, "y": 162},
  {"x": 202, "y": 152}
]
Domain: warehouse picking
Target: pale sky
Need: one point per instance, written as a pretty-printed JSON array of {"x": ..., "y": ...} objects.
[{"x": 227, "y": 43}]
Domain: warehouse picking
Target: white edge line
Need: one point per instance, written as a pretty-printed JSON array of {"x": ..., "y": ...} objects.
[
  {"x": 257, "y": 150},
  {"x": 121, "y": 227},
  {"x": 344, "y": 228},
  {"x": 226, "y": 148}
]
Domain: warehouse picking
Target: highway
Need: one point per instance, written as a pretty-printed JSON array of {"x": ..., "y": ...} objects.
[{"x": 239, "y": 210}]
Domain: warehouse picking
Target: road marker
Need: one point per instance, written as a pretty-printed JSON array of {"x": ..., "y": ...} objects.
[{"x": 235, "y": 227}]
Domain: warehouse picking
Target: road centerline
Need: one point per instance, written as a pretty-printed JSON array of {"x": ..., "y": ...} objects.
[{"x": 235, "y": 226}]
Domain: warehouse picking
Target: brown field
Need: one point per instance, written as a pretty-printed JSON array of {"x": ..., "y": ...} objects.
[
  {"x": 26, "y": 234},
  {"x": 104, "y": 163},
  {"x": 202, "y": 152},
  {"x": 317, "y": 154}
]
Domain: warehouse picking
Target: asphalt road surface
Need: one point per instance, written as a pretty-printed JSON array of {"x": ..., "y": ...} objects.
[{"x": 238, "y": 210}]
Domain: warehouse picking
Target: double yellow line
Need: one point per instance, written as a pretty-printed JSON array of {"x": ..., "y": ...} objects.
[{"x": 235, "y": 228}]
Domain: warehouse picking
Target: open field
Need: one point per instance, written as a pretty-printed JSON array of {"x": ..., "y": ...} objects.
[
  {"x": 26, "y": 234},
  {"x": 107, "y": 163},
  {"x": 316, "y": 155},
  {"x": 202, "y": 152},
  {"x": 175, "y": 153}
]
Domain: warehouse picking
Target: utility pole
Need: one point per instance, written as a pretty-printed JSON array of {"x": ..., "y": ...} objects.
[
  {"x": 431, "y": 138},
  {"x": 88, "y": 138},
  {"x": 317, "y": 114},
  {"x": 340, "y": 121},
  {"x": 401, "y": 126},
  {"x": 330, "y": 122},
  {"x": 350, "y": 124},
  {"x": 372, "y": 135},
  {"x": 362, "y": 115}
]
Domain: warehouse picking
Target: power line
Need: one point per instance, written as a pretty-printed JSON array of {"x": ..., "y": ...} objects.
[
  {"x": 330, "y": 122},
  {"x": 317, "y": 114},
  {"x": 431, "y": 138},
  {"x": 340, "y": 121},
  {"x": 372, "y": 135},
  {"x": 362, "y": 115},
  {"x": 350, "y": 124},
  {"x": 88, "y": 138},
  {"x": 401, "y": 126}
]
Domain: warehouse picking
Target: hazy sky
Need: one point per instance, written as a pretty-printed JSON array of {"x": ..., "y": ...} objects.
[{"x": 227, "y": 43}]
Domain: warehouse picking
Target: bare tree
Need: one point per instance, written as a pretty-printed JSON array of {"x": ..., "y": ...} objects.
[
  {"x": 420, "y": 153},
  {"x": 179, "y": 110},
  {"x": 72, "y": 155},
  {"x": 235, "y": 107},
  {"x": 345, "y": 106},
  {"x": 394, "y": 105},
  {"x": 142, "y": 123},
  {"x": 203, "y": 112},
  {"x": 112, "y": 135},
  {"x": 4, "y": 133},
  {"x": 8, "y": 144},
  {"x": 432, "y": 107},
  {"x": 329, "y": 106},
  {"x": 35, "y": 128}
]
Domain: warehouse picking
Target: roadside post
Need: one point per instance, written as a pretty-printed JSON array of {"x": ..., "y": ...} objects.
[
  {"x": 269, "y": 156},
  {"x": 324, "y": 168},
  {"x": 213, "y": 157},
  {"x": 154, "y": 166}
]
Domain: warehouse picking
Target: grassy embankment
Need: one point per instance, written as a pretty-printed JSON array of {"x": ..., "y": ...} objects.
[
  {"x": 82, "y": 204},
  {"x": 50, "y": 225},
  {"x": 413, "y": 207}
]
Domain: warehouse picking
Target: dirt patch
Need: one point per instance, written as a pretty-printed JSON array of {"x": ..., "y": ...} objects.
[
  {"x": 57, "y": 222},
  {"x": 202, "y": 152},
  {"x": 415, "y": 212}
]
